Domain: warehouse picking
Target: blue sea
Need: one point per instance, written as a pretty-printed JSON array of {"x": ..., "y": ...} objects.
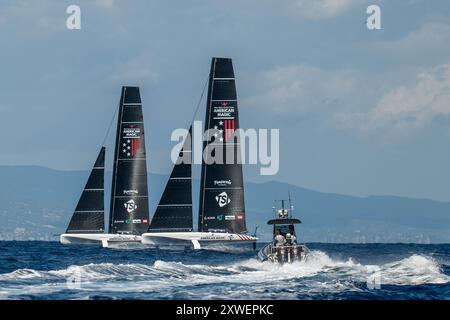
[{"x": 48, "y": 270}]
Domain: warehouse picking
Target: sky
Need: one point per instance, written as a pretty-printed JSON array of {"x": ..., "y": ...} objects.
[{"x": 360, "y": 112}]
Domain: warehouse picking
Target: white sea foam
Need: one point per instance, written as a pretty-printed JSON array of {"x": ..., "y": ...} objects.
[{"x": 318, "y": 274}]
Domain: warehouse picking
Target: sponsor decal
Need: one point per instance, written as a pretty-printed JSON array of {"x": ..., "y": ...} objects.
[
  {"x": 230, "y": 217},
  {"x": 131, "y": 141},
  {"x": 226, "y": 124},
  {"x": 130, "y": 192},
  {"x": 244, "y": 237},
  {"x": 213, "y": 238},
  {"x": 240, "y": 216},
  {"x": 131, "y": 132},
  {"x": 220, "y": 217},
  {"x": 223, "y": 199},
  {"x": 224, "y": 130},
  {"x": 223, "y": 110},
  {"x": 119, "y": 221},
  {"x": 130, "y": 205},
  {"x": 128, "y": 221},
  {"x": 229, "y": 126},
  {"x": 222, "y": 183},
  {"x": 144, "y": 220},
  {"x": 136, "y": 221},
  {"x": 209, "y": 218}
]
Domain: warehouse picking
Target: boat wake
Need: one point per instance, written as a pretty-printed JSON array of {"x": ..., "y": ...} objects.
[{"x": 247, "y": 279}]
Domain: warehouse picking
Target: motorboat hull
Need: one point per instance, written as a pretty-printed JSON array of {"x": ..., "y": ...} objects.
[{"x": 283, "y": 254}]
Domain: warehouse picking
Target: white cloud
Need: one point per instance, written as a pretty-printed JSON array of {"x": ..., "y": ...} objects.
[
  {"x": 300, "y": 88},
  {"x": 31, "y": 17},
  {"x": 425, "y": 47},
  {"x": 421, "y": 42},
  {"x": 406, "y": 109},
  {"x": 105, "y": 3},
  {"x": 318, "y": 9}
]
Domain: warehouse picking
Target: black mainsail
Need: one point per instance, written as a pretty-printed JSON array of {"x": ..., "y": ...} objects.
[
  {"x": 221, "y": 207},
  {"x": 174, "y": 211},
  {"x": 129, "y": 193},
  {"x": 89, "y": 213}
]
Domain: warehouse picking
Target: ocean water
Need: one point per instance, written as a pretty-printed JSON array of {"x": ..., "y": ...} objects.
[{"x": 48, "y": 270}]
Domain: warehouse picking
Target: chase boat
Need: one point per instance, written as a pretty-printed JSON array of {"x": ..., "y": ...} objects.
[{"x": 284, "y": 247}]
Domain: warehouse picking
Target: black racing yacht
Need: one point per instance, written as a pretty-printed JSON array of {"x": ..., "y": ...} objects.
[{"x": 128, "y": 217}]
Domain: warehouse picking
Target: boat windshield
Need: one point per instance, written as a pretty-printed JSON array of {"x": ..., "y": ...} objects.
[{"x": 284, "y": 229}]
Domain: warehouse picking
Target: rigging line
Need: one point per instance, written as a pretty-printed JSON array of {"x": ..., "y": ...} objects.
[
  {"x": 201, "y": 98},
  {"x": 195, "y": 114},
  {"x": 110, "y": 125},
  {"x": 193, "y": 117}
]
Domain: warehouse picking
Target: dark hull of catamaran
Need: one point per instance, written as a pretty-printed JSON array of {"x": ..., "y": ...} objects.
[{"x": 283, "y": 254}]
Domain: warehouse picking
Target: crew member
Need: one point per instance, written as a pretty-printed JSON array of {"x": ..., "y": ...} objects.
[
  {"x": 288, "y": 239},
  {"x": 293, "y": 239},
  {"x": 279, "y": 239}
]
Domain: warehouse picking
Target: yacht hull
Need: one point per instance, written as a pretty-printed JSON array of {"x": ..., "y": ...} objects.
[
  {"x": 100, "y": 239},
  {"x": 195, "y": 239}
]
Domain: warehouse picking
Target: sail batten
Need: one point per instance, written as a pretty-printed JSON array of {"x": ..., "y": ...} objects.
[
  {"x": 221, "y": 186},
  {"x": 129, "y": 196},
  {"x": 88, "y": 216}
]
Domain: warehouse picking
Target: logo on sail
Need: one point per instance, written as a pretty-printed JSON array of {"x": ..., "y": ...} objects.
[
  {"x": 223, "y": 199},
  {"x": 222, "y": 183},
  {"x": 130, "y": 192},
  {"x": 130, "y": 206},
  {"x": 223, "y": 110},
  {"x": 131, "y": 142},
  {"x": 130, "y": 147},
  {"x": 225, "y": 129},
  {"x": 132, "y": 132}
]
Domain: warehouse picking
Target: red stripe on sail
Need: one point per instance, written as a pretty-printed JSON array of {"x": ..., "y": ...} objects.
[
  {"x": 226, "y": 130},
  {"x": 135, "y": 145},
  {"x": 229, "y": 129}
]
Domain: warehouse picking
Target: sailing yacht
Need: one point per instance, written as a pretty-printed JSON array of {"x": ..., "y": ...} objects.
[
  {"x": 221, "y": 218},
  {"x": 128, "y": 216}
]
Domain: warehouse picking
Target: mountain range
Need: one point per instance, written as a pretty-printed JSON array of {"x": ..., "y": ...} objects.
[{"x": 36, "y": 203}]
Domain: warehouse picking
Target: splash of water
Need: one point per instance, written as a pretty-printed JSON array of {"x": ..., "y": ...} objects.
[{"x": 318, "y": 274}]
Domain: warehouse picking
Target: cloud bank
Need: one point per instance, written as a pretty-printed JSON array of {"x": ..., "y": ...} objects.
[{"x": 407, "y": 109}]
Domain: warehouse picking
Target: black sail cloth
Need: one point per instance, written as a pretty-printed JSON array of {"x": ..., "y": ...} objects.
[
  {"x": 129, "y": 198},
  {"x": 221, "y": 205}
]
